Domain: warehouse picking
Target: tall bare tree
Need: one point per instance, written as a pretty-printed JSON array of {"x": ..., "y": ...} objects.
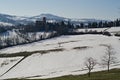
[
  {"x": 90, "y": 64},
  {"x": 109, "y": 58}
]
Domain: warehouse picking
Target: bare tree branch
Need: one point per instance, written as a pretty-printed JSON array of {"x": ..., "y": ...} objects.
[
  {"x": 109, "y": 57},
  {"x": 89, "y": 64}
]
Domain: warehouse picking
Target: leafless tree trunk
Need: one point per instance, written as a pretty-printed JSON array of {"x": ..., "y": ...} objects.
[
  {"x": 89, "y": 64},
  {"x": 109, "y": 57}
]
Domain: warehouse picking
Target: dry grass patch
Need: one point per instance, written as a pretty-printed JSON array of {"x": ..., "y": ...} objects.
[
  {"x": 105, "y": 45},
  {"x": 25, "y": 53},
  {"x": 81, "y": 47}
]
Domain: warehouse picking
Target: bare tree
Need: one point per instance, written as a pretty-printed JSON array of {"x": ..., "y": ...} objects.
[
  {"x": 90, "y": 64},
  {"x": 109, "y": 57}
]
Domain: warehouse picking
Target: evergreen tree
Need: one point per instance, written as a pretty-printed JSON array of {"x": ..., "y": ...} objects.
[
  {"x": 100, "y": 24},
  {"x": 82, "y": 25},
  {"x": 94, "y": 25}
]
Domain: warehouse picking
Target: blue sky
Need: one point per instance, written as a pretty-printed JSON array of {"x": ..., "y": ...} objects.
[{"x": 100, "y": 9}]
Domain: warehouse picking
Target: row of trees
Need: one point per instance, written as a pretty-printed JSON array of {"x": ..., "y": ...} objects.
[
  {"x": 60, "y": 28},
  {"x": 107, "y": 60},
  {"x": 101, "y": 24},
  {"x": 64, "y": 27}
]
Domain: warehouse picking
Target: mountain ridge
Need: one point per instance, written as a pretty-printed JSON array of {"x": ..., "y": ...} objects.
[{"x": 15, "y": 20}]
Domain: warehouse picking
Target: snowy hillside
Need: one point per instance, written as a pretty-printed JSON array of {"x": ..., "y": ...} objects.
[
  {"x": 5, "y": 24},
  {"x": 15, "y": 20},
  {"x": 15, "y": 37},
  {"x": 48, "y": 16},
  {"x": 86, "y": 20},
  {"x": 60, "y": 56},
  {"x": 11, "y": 19}
]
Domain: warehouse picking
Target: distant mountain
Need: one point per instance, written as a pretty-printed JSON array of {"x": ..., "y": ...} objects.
[
  {"x": 48, "y": 16},
  {"x": 9, "y": 20}
]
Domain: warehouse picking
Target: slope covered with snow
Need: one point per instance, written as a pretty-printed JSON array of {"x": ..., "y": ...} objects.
[
  {"x": 11, "y": 20},
  {"x": 48, "y": 16},
  {"x": 111, "y": 30},
  {"x": 15, "y": 37},
  {"x": 15, "y": 20},
  {"x": 70, "y": 60},
  {"x": 5, "y": 24}
]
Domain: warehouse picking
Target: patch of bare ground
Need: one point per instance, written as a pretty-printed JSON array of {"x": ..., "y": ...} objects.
[
  {"x": 25, "y": 53},
  {"x": 82, "y": 47}
]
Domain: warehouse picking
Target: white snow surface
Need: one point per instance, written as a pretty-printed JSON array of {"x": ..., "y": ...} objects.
[
  {"x": 6, "y": 63},
  {"x": 5, "y": 24},
  {"x": 66, "y": 62},
  {"x": 111, "y": 30}
]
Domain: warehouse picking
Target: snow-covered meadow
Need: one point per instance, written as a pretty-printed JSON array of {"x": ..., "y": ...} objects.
[
  {"x": 53, "y": 64},
  {"x": 112, "y": 30}
]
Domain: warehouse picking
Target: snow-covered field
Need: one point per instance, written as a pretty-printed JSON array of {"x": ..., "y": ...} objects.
[
  {"x": 66, "y": 62},
  {"x": 112, "y": 29}
]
